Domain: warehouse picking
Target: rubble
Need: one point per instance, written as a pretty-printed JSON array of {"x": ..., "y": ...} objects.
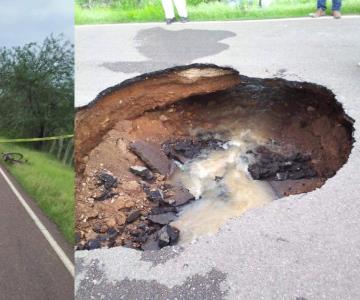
[
  {"x": 154, "y": 194},
  {"x": 184, "y": 149},
  {"x": 152, "y": 155},
  {"x": 167, "y": 236},
  {"x": 107, "y": 182},
  {"x": 274, "y": 166},
  {"x": 143, "y": 172},
  {"x": 178, "y": 195},
  {"x": 163, "y": 219},
  {"x": 133, "y": 215}
]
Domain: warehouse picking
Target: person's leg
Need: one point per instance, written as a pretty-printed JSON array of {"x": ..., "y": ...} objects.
[
  {"x": 181, "y": 8},
  {"x": 321, "y": 7},
  {"x": 321, "y": 4},
  {"x": 168, "y": 9},
  {"x": 336, "y": 5}
]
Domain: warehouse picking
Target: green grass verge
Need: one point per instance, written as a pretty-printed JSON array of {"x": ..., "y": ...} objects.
[
  {"x": 49, "y": 183},
  {"x": 205, "y": 11}
]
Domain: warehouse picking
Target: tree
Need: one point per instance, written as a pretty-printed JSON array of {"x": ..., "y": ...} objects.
[{"x": 37, "y": 89}]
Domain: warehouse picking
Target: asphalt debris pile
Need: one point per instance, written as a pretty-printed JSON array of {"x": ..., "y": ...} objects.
[
  {"x": 107, "y": 182},
  {"x": 270, "y": 165},
  {"x": 146, "y": 228},
  {"x": 185, "y": 149}
]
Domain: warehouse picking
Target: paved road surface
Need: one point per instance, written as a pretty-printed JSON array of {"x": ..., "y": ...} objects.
[
  {"x": 29, "y": 267},
  {"x": 299, "y": 247}
]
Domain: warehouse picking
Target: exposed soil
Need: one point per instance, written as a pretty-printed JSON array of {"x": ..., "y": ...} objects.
[{"x": 134, "y": 136}]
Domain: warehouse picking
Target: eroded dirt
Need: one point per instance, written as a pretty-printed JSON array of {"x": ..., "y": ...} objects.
[{"x": 296, "y": 136}]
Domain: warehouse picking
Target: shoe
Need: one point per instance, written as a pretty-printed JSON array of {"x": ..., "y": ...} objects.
[
  {"x": 184, "y": 20},
  {"x": 319, "y": 13},
  {"x": 336, "y": 14},
  {"x": 169, "y": 21}
]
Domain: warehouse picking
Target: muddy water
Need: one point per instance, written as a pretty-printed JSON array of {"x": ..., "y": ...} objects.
[{"x": 222, "y": 186}]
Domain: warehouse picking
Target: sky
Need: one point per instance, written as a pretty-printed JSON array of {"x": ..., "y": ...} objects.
[{"x": 25, "y": 21}]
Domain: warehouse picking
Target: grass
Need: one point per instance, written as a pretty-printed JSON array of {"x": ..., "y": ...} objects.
[
  {"x": 49, "y": 183},
  {"x": 204, "y": 11}
]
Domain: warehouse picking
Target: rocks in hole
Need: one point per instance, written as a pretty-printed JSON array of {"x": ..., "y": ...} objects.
[
  {"x": 112, "y": 233},
  {"x": 163, "y": 219},
  {"x": 108, "y": 182},
  {"x": 163, "y": 210},
  {"x": 169, "y": 195},
  {"x": 143, "y": 172},
  {"x": 105, "y": 195},
  {"x": 140, "y": 234},
  {"x": 142, "y": 226},
  {"x": 133, "y": 215},
  {"x": 152, "y": 155},
  {"x": 100, "y": 228},
  {"x": 92, "y": 244},
  {"x": 166, "y": 236},
  {"x": 274, "y": 166},
  {"x": 178, "y": 195},
  {"x": 101, "y": 240},
  {"x": 154, "y": 194},
  {"x": 151, "y": 243},
  {"x": 183, "y": 149}
]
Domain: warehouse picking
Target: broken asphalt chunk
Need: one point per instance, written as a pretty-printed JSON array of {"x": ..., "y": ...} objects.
[
  {"x": 163, "y": 209},
  {"x": 274, "y": 166},
  {"x": 133, "y": 216},
  {"x": 143, "y": 172},
  {"x": 151, "y": 243},
  {"x": 152, "y": 155},
  {"x": 154, "y": 195},
  {"x": 162, "y": 219},
  {"x": 167, "y": 236},
  {"x": 179, "y": 196},
  {"x": 107, "y": 180},
  {"x": 92, "y": 244}
]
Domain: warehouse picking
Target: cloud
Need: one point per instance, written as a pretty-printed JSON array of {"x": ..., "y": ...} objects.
[{"x": 24, "y": 21}]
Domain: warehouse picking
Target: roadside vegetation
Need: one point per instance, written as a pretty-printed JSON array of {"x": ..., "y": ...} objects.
[
  {"x": 119, "y": 11},
  {"x": 49, "y": 183},
  {"x": 37, "y": 101}
]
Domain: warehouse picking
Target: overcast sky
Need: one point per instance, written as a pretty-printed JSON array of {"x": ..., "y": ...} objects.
[{"x": 24, "y": 21}]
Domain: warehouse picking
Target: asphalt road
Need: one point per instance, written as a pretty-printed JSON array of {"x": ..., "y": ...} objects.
[
  {"x": 298, "y": 247},
  {"x": 29, "y": 267}
]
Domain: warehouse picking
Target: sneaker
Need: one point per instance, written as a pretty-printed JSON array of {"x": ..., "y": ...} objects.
[
  {"x": 319, "y": 13},
  {"x": 169, "y": 21},
  {"x": 336, "y": 14},
  {"x": 184, "y": 20}
]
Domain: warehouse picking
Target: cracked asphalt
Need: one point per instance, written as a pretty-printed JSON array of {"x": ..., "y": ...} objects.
[{"x": 299, "y": 247}]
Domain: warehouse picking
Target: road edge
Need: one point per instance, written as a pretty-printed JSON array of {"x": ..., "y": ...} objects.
[{"x": 46, "y": 233}]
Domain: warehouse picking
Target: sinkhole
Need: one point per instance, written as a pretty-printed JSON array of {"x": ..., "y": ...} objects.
[{"x": 168, "y": 156}]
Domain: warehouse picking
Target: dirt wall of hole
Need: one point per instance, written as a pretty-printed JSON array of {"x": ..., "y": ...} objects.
[{"x": 135, "y": 96}]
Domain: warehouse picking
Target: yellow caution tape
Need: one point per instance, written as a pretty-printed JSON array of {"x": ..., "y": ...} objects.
[{"x": 37, "y": 139}]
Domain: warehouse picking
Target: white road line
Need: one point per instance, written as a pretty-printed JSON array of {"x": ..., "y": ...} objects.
[{"x": 63, "y": 257}]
